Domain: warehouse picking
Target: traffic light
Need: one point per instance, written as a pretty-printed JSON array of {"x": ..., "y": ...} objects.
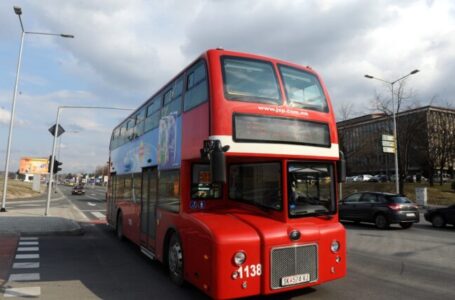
[{"x": 57, "y": 165}]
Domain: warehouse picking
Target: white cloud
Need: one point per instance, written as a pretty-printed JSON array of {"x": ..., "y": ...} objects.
[
  {"x": 124, "y": 51},
  {"x": 5, "y": 116}
]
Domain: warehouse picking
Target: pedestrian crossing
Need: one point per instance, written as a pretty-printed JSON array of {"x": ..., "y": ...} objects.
[{"x": 26, "y": 268}]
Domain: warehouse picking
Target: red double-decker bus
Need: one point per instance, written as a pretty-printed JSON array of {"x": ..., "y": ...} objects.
[{"x": 228, "y": 175}]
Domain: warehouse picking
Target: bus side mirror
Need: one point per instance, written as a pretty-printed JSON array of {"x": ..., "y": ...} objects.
[
  {"x": 341, "y": 168},
  {"x": 218, "y": 166},
  {"x": 213, "y": 152}
]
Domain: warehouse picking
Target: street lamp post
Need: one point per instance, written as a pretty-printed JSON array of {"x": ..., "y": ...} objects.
[
  {"x": 51, "y": 170},
  {"x": 18, "y": 12},
  {"x": 395, "y": 137}
]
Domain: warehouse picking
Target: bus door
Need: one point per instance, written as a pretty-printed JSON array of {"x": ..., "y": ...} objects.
[
  {"x": 148, "y": 207},
  {"x": 111, "y": 202}
]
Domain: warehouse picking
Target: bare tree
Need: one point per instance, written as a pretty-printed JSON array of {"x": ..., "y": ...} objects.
[
  {"x": 102, "y": 170},
  {"x": 441, "y": 148},
  {"x": 406, "y": 127}
]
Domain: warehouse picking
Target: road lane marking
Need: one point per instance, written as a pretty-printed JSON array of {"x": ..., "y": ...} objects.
[
  {"x": 24, "y": 292},
  {"x": 24, "y": 277},
  {"x": 26, "y": 265},
  {"x": 28, "y": 205},
  {"x": 27, "y": 256},
  {"x": 29, "y": 238},
  {"x": 34, "y": 243},
  {"x": 91, "y": 204},
  {"x": 27, "y": 249},
  {"x": 95, "y": 198},
  {"x": 98, "y": 215}
]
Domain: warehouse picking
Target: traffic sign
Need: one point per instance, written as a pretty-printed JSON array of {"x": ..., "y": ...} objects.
[
  {"x": 60, "y": 130},
  {"x": 390, "y": 144},
  {"x": 387, "y": 137},
  {"x": 388, "y": 149}
]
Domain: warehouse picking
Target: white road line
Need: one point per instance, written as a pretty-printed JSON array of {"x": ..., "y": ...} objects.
[
  {"x": 28, "y": 205},
  {"x": 25, "y": 292},
  {"x": 34, "y": 243},
  {"x": 27, "y": 256},
  {"x": 28, "y": 238},
  {"x": 95, "y": 198},
  {"x": 27, "y": 249},
  {"x": 26, "y": 265},
  {"x": 24, "y": 277},
  {"x": 98, "y": 215},
  {"x": 90, "y": 210},
  {"x": 91, "y": 204}
]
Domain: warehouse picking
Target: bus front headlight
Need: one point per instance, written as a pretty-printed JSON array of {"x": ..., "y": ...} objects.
[
  {"x": 239, "y": 258},
  {"x": 335, "y": 246}
]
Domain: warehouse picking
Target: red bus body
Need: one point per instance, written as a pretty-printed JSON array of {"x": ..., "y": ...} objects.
[{"x": 154, "y": 200}]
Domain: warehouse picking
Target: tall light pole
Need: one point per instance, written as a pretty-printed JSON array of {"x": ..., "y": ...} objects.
[
  {"x": 397, "y": 178},
  {"x": 18, "y": 12}
]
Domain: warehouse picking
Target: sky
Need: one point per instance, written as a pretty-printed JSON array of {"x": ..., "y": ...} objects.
[{"x": 124, "y": 51}]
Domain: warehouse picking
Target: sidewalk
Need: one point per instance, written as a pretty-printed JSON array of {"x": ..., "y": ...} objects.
[{"x": 61, "y": 220}]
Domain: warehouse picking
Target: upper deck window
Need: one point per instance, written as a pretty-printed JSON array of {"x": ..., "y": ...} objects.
[
  {"x": 250, "y": 80},
  {"x": 196, "y": 87},
  {"x": 303, "y": 89}
]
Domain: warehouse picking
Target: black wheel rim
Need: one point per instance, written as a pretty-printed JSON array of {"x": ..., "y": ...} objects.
[{"x": 175, "y": 259}]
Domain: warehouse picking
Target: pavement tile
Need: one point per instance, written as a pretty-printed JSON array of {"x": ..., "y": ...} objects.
[{"x": 8, "y": 244}]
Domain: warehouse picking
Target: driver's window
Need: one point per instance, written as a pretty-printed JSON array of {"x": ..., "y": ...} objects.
[{"x": 201, "y": 186}]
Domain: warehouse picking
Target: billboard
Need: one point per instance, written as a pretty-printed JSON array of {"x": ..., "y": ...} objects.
[{"x": 33, "y": 165}]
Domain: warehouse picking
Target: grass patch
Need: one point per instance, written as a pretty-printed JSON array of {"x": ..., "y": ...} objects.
[
  {"x": 437, "y": 194},
  {"x": 18, "y": 189}
]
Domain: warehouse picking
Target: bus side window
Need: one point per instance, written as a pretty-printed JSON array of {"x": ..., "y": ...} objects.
[
  {"x": 140, "y": 118},
  {"x": 130, "y": 128},
  {"x": 172, "y": 100},
  {"x": 123, "y": 134},
  {"x": 169, "y": 190},
  {"x": 196, "y": 87},
  {"x": 201, "y": 186},
  {"x": 153, "y": 115}
]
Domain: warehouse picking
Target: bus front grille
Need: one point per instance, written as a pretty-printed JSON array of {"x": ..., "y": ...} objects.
[{"x": 296, "y": 260}]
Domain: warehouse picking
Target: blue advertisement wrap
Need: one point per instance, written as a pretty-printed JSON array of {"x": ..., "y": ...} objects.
[{"x": 146, "y": 151}]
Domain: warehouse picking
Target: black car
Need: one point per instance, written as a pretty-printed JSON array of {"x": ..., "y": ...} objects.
[
  {"x": 439, "y": 217},
  {"x": 382, "y": 209},
  {"x": 78, "y": 190}
]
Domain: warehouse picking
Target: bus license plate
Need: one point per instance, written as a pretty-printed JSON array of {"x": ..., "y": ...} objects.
[
  {"x": 410, "y": 215},
  {"x": 295, "y": 279}
]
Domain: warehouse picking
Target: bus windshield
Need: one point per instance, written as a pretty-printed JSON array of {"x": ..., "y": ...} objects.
[
  {"x": 303, "y": 89},
  {"x": 258, "y": 184},
  {"x": 311, "y": 189},
  {"x": 250, "y": 80}
]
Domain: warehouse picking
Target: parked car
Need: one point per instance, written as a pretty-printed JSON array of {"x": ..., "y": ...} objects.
[
  {"x": 362, "y": 178},
  {"x": 440, "y": 217},
  {"x": 378, "y": 178},
  {"x": 78, "y": 190},
  {"x": 382, "y": 209}
]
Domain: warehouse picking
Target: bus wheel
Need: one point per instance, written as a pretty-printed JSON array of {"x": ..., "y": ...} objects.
[
  {"x": 119, "y": 228},
  {"x": 175, "y": 259}
]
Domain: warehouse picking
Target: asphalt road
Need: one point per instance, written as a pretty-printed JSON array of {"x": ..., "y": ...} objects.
[
  {"x": 416, "y": 263},
  {"x": 92, "y": 204}
]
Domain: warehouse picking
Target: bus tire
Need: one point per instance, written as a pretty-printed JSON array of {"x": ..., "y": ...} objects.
[
  {"x": 119, "y": 226},
  {"x": 175, "y": 259}
]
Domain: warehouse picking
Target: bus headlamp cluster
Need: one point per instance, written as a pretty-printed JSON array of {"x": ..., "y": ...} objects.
[
  {"x": 335, "y": 246},
  {"x": 239, "y": 258}
]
